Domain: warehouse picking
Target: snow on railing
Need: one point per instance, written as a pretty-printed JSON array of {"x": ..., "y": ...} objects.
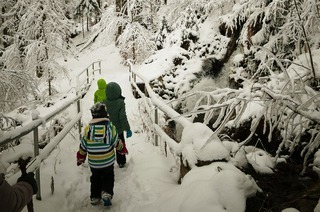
[
  {"x": 84, "y": 81},
  {"x": 34, "y": 165},
  {"x": 198, "y": 142},
  {"x": 17, "y": 133},
  {"x": 158, "y": 104}
]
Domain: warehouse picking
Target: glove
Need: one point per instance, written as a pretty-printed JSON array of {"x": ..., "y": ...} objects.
[
  {"x": 79, "y": 162},
  {"x": 124, "y": 150},
  {"x": 129, "y": 133},
  {"x": 29, "y": 178},
  {"x": 80, "y": 158}
]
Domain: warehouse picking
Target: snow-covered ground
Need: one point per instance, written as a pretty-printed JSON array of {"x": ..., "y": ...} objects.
[
  {"x": 149, "y": 182},
  {"x": 146, "y": 175}
]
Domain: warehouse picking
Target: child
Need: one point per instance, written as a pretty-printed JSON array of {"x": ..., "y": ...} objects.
[
  {"x": 117, "y": 112},
  {"x": 98, "y": 142},
  {"x": 100, "y": 94}
]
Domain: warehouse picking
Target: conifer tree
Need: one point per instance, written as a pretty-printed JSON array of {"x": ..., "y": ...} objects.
[
  {"x": 15, "y": 83},
  {"x": 130, "y": 28},
  {"x": 88, "y": 10},
  {"x": 162, "y": 33},
  {"x": 41, "y": 35}
]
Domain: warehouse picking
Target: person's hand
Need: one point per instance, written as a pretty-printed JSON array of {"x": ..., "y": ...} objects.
[
  {"x": 129, "y": 133},
  {"x": 29, "y": 178},
  {"x": 80, "y": 158},
  {"x": 124, "y": 150},
  {"x": 79, "y": 162}
]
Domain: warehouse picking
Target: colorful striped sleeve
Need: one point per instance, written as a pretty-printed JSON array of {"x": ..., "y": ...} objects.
[{"x": 83, "y": 142}]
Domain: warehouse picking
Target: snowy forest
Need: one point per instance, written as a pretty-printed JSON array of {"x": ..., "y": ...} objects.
[{"x": 249, "y": 70}]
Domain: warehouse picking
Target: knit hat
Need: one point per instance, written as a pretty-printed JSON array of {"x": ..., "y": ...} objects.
[{"x": 99, "y": 110}]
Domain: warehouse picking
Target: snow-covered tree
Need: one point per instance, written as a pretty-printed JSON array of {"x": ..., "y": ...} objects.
[
  {"x": 274, "y": 69},
  {"x": 15, "y": 82},
  {"x": 162, "y": 33},
  {"x": 89, "y": 10},
  {"x": 183, "y": 34},
  {"x": 285, "y": 28},
  {"x": 131, "y": 28},
  {"x": 267, "y": 47},
  {"x": 42, "y": 36}
]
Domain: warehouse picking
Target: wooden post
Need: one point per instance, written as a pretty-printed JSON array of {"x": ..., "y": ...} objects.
[
  {"x": 134, "y": 78},
  {"x": 93, "y": 69},
  {"x": 130, "y": 73},
  {"x": 79, "y": 122},
  {"x": 87, "y": 70},
  {"x": 156, "y": 121},
  {"x": 36, "y": 153},
  {"x": 82, "y": 25},
  {"x": 135, "y": 90}
]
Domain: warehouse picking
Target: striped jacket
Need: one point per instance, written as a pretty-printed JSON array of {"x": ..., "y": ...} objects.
[{"x": 98, "y": 142}]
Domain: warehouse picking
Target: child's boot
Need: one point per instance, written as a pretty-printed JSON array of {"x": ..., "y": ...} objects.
[{"x": 106, "y": 198}]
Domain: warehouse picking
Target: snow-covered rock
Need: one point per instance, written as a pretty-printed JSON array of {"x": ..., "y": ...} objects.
[{"x": 199, "y": 143}]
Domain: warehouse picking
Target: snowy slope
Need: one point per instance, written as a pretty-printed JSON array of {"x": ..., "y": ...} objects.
[{"x": 149, "y": 182}]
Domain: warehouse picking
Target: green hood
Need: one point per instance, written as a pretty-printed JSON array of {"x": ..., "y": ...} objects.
[
  {"x": 113, "y": 91},
  {"x": 101, "y": 84}
]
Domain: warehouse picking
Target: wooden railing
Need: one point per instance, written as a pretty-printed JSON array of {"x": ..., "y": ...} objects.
[
  {"x": 153, "y": 104},
  {"x": 85, "y": 77},
  {"x": 83, "y": 84}
]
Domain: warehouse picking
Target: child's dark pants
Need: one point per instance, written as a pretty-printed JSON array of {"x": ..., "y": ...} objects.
[{"x": 102, "y": 180}]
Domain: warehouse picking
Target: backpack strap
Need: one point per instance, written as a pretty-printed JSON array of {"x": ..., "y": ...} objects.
[{"x": 106, "y": 133}]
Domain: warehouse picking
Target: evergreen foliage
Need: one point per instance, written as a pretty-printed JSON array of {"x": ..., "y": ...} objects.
[{"x": 36, "y": 33}]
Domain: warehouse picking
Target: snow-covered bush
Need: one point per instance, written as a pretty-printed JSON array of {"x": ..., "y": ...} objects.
[{"x": 271, "y": 96}]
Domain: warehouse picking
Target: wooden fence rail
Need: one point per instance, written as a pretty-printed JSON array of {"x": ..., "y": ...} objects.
[
  {"x": 85, "y": 77},
  {"x": 155, "y": 105},
  {"x": 34, "y": 165}
]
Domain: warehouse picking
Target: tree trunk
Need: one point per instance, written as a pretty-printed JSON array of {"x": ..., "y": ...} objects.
[
  {"x": 133, "y": 51},
  {"x": 82, "y": 25},
  {"x": 118, "y": 9},
  {"x": 87, "y": 23},
  {"x": 119, "y": 6},
  {"x": 124, "y": 2},
  {"x": 49, "y": 84},
  {"x": 5, "y": 30}
]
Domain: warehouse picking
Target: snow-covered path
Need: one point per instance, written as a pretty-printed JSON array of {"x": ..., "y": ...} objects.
[
  {"x": 149, "y": 182},
  {"x": 141, "y": 182}
]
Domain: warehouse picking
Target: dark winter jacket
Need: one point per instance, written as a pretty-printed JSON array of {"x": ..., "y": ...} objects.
[
  {"x": 116, "y": 107},
  {"x": 14, "y": 198},
  {"x": 100, "y": 94}
]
